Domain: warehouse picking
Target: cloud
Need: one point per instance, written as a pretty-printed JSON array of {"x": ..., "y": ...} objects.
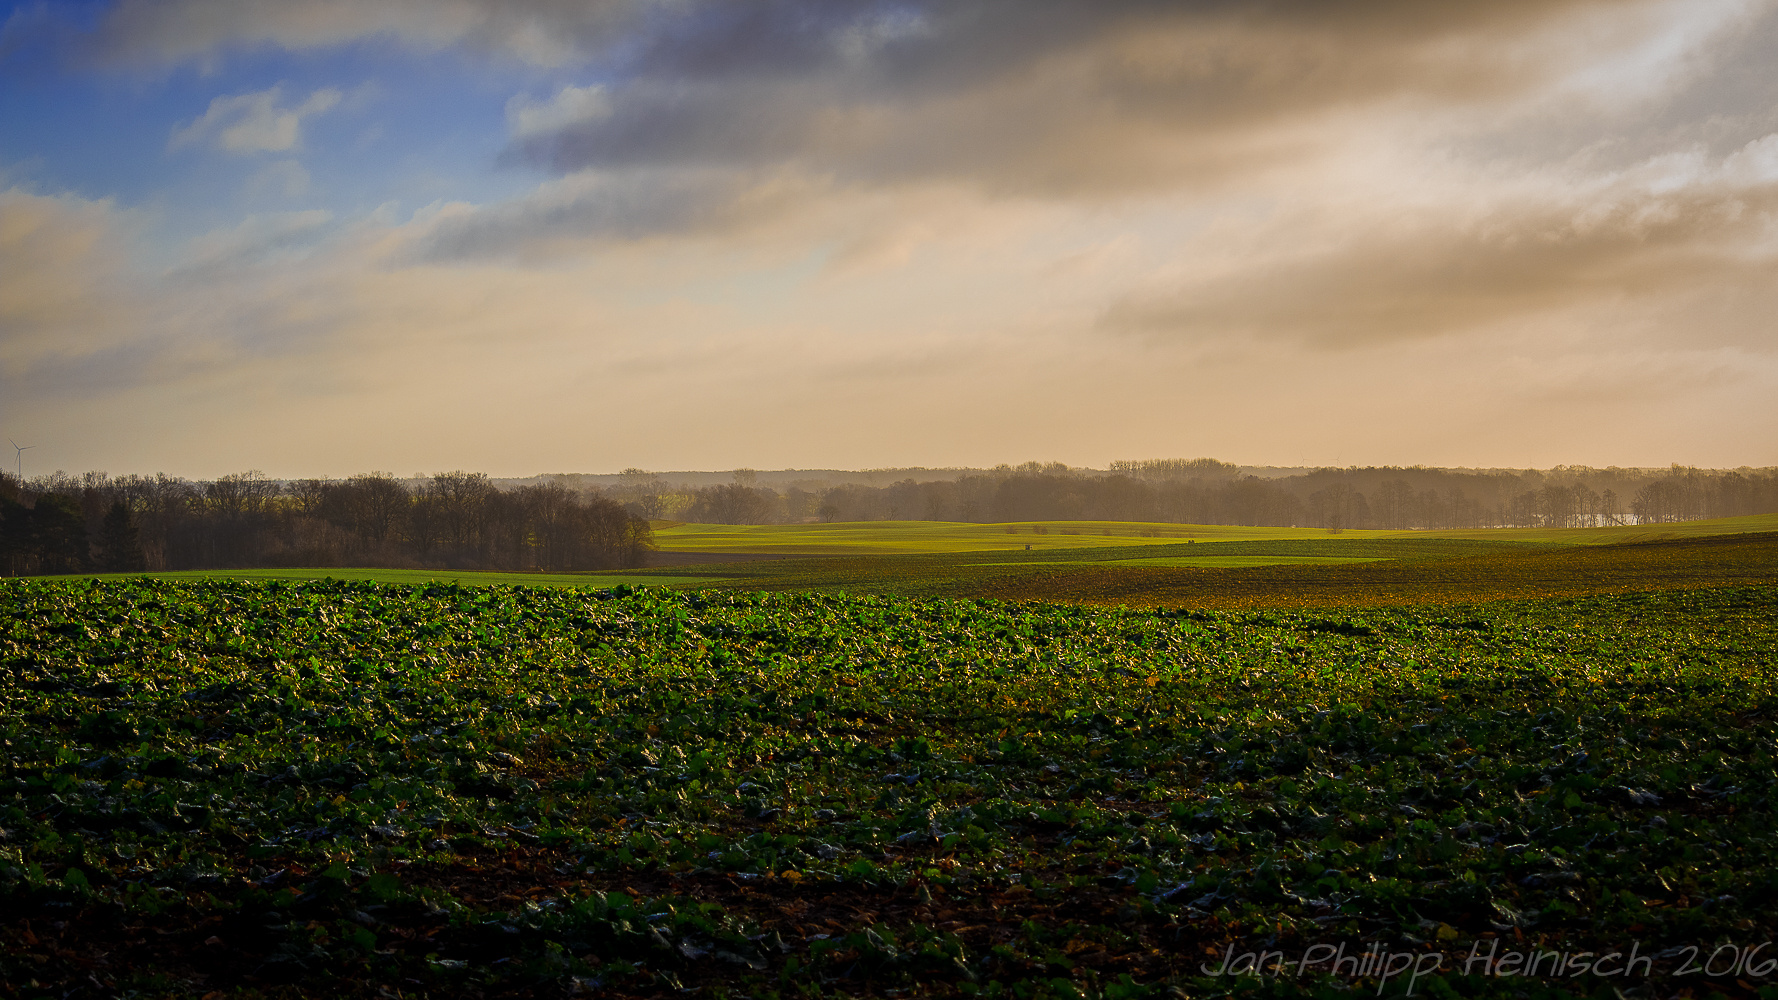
[
  {"x": 254, "y": 123},
  {"x": 571, "y": 106},
  {"x": 717, "y": 111},
  {"x": 68, "y": 290},
  {"x": 256, "y": 240},
  {"x": 1067, "y": 95},
  {"x": 966, "y": 347},
  {"x": 1081, "y": 99},
  {"x": 593, "y": 208},
  {"x": 537, "y": 32},
  {"x": 279, "y": 178},
  {"x": 1672, "y": 228},
  {"x": 854, "y": 231},
  {"x": 83, "y": 310},
  {"x": 1065, "y": 99}
]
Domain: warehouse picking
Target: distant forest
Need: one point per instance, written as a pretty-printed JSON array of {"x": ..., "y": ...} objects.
[
  {"x": 461, "y": 520},
  {"x": 1206, "y": 491},
  {"x": 457, "y": 520}
]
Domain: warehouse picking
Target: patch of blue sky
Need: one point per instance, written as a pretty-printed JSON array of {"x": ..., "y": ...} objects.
[{"x": 408, "y": 129}]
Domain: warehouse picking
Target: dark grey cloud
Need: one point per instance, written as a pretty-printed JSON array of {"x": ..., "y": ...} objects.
[
  {"x": 1065, "y": 98},
  {"x": 547, "y": 32},
  {"x": 1054, "y": 98}
]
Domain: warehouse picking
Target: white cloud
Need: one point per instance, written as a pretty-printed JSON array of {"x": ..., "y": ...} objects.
[
  {"x": 254, "y": 123},
  {"x": 572, "y": 106},
  {"x": 1756, "y": 162}
]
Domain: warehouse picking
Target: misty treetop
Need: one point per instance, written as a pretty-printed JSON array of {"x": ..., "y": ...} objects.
[{"x": 456, "y": 520}]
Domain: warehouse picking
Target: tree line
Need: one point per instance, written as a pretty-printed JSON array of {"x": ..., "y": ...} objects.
[
  {"x": 455, "y": 520},
  {"x": 1207, "y": 491},
  {"x": 464, "y": 520}
]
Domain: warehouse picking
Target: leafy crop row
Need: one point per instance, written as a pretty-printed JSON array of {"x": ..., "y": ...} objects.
[{"x": 357, "y": 788}]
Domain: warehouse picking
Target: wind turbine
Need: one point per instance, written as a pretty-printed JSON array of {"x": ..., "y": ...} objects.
[{"x": 20, "y": 456}]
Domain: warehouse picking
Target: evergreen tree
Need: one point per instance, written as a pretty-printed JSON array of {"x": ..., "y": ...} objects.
[
  {"x": 59, "y": 531},
  {"x": 17, "y": 543},
  {"x": 120, "y": 546}
]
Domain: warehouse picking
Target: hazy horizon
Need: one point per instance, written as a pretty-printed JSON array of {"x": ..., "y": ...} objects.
[
  {"x": 890, "y": 475},
  {"x": 319, "y": 238}
]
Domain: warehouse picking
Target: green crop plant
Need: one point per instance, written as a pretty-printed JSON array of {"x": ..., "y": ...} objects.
[{"x": 347, "y": 788}]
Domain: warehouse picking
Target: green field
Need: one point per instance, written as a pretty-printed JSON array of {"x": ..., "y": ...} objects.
[
  {"x": 1318, "y": 571},
  {"x": 1311, "y": 572},
  {"x": 337, "y": 788},
  {"x": 899, "y": 537},
  {"x": 892, "y": 537},
  {"x": 1204, "y": 562},
  {"x": 911, "y": 759},
  {"x": 1160, "y": 564}
]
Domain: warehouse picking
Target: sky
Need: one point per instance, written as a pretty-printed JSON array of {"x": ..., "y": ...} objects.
[{"x": 322, "y": 237}]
